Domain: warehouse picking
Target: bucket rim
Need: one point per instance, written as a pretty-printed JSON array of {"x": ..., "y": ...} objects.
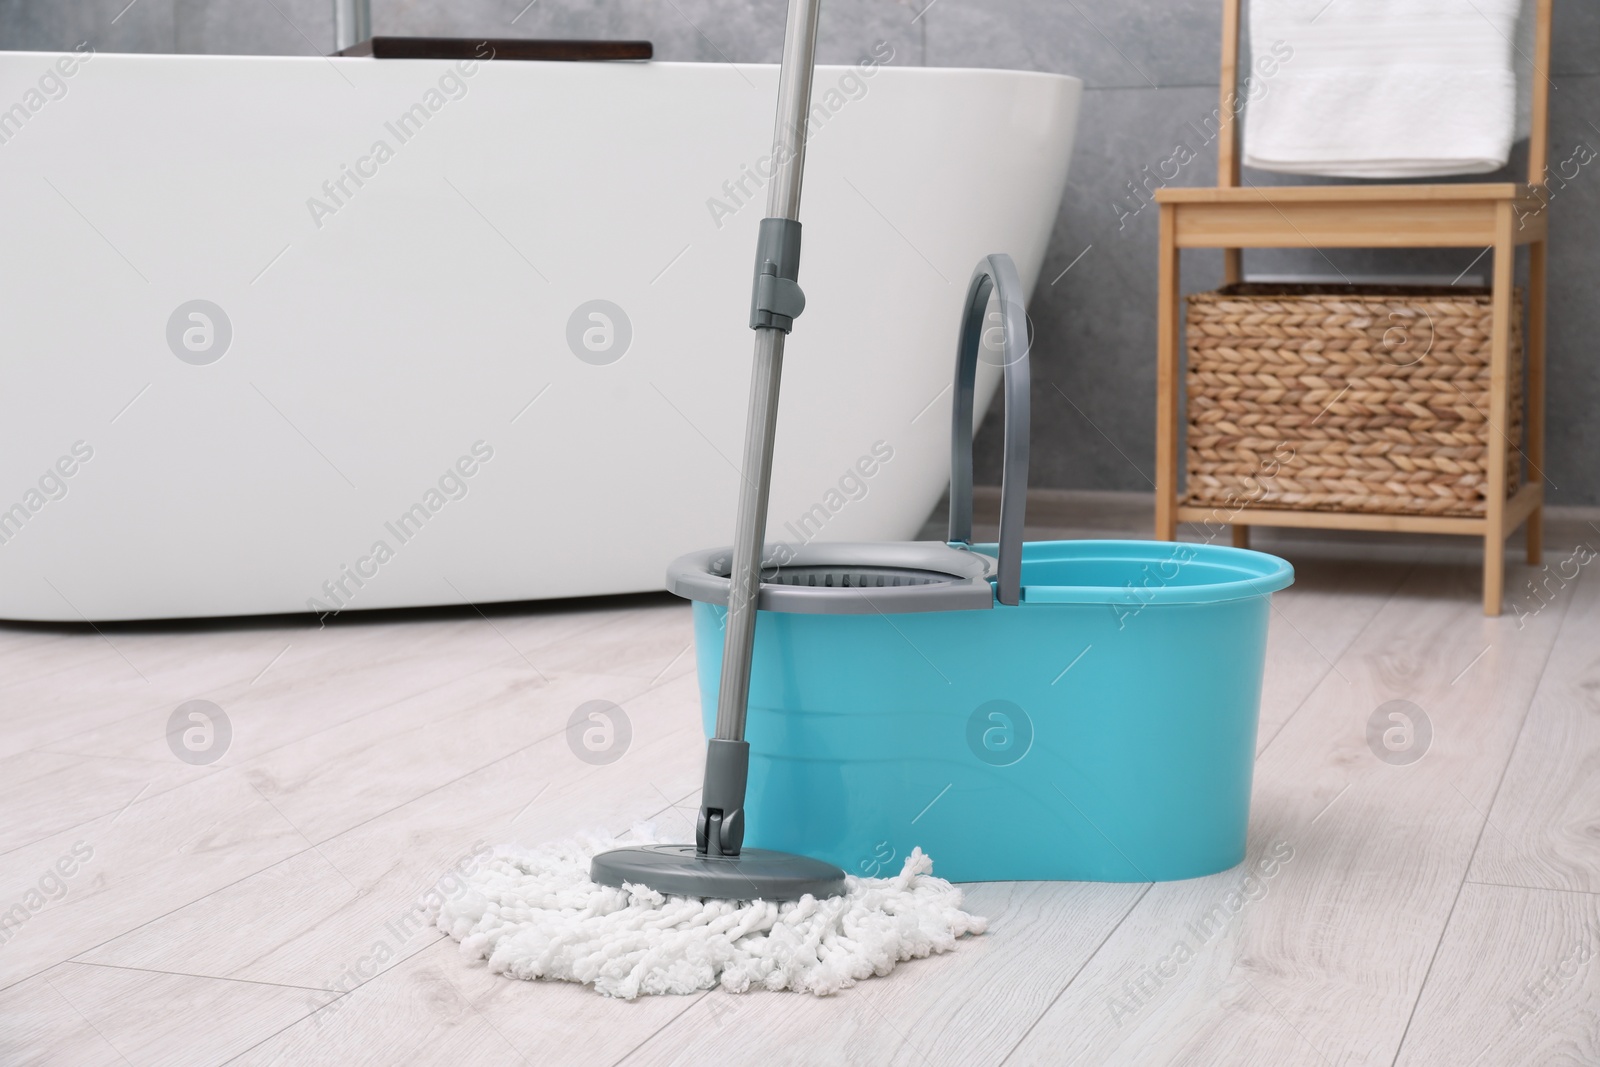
[
  {"x": 972, "y": 572},
  {"x": 1258, "y": 574}
]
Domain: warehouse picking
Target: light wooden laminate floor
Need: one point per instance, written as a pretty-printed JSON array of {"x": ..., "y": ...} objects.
[{"x": 250, "y": 910}]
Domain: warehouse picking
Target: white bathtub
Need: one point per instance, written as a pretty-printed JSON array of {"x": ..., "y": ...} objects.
[{"x": 374, "y": 346}]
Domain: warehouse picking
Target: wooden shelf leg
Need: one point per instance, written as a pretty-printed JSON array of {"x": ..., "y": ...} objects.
[
  {"x": 1241, "y": 536},
  {"x": 1167, "y": 311},
  {"x": 1536, "y": 342},
  {"x": 1494, "y": 572},
  {"x": 1494, "y": 553}
]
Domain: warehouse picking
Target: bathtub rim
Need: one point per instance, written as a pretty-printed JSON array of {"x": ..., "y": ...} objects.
[{"x": 918, "y": 70}]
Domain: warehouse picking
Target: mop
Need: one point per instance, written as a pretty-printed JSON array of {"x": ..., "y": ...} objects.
[
  {"x": 535, "y": 913},
  {"x": 644, "y": 916}
]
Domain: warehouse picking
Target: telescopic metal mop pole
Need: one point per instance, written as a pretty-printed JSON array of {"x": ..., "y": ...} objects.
[{"x": 775, "y": 302}]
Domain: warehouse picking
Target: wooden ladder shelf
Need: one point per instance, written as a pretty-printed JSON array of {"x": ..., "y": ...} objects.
[{"x": 1498, "y": 216}]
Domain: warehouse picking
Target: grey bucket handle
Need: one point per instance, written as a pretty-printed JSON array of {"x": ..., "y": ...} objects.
[{"x": 997, "y": 274}]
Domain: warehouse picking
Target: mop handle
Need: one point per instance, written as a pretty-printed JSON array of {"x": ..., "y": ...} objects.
[{"x": 775, "y": 303}]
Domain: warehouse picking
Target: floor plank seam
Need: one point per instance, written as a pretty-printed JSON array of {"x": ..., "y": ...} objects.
[
  {"x": 658, "y": 812},
  {"x": 188, "y": 974},
  {"x": 157, "y": 918},
  {"x": 687, "y": 1007},
  {"x": 445, "y": 785},
  {"x": 424, "y": 692},
  {"x": 260, "y": 755},
  {"x": 1535, "y": 888},
  {"x": 1444, "y": 930},
  {"x": 658, "y": 1031},
  {"x": 1433, "y": 957},
  {"x": 1012, "y": 1051},
  {"x": 79, "y": 1013},
  {"x": 67, "y": 669},
  {"x": 93, "y": 755},
  {"x": 288, "y": 1026},
  {"x": 267, "y": 752},
  {"x": 323, "y": 1007},
  {"x": 486, "y": 1020},
  {"x": 310, "y": 848},
  {"x": 1522, "y": 729},
  {"x": 1340, "y": 654}
]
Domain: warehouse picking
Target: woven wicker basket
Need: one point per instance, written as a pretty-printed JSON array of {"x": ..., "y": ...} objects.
[{"x": 1345, "y": 398}]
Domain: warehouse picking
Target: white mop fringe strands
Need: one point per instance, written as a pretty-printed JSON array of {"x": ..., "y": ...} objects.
[{"x": 534, "y": 913}]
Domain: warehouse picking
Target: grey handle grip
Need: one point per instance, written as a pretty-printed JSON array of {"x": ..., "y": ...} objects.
[{"x": 995, "y": 274}]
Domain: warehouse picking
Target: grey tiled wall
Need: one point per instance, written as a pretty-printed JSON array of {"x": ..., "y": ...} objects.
[{"x": 1151, "y": 69}]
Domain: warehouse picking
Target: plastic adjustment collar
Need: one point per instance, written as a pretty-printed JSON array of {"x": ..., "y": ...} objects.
[{"x": 776, "y": 300}]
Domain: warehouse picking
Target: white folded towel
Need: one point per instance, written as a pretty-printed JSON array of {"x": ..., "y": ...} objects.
[{"x": 1386, "y": 88}]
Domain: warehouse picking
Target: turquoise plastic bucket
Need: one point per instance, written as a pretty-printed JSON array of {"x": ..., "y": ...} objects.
[
  {"x": 1055, "y": 710},
  {"x": 1102, "y": 729}
]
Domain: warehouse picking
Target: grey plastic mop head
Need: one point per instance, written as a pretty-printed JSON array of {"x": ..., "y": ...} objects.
[{"x": 754, "y": 874}]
